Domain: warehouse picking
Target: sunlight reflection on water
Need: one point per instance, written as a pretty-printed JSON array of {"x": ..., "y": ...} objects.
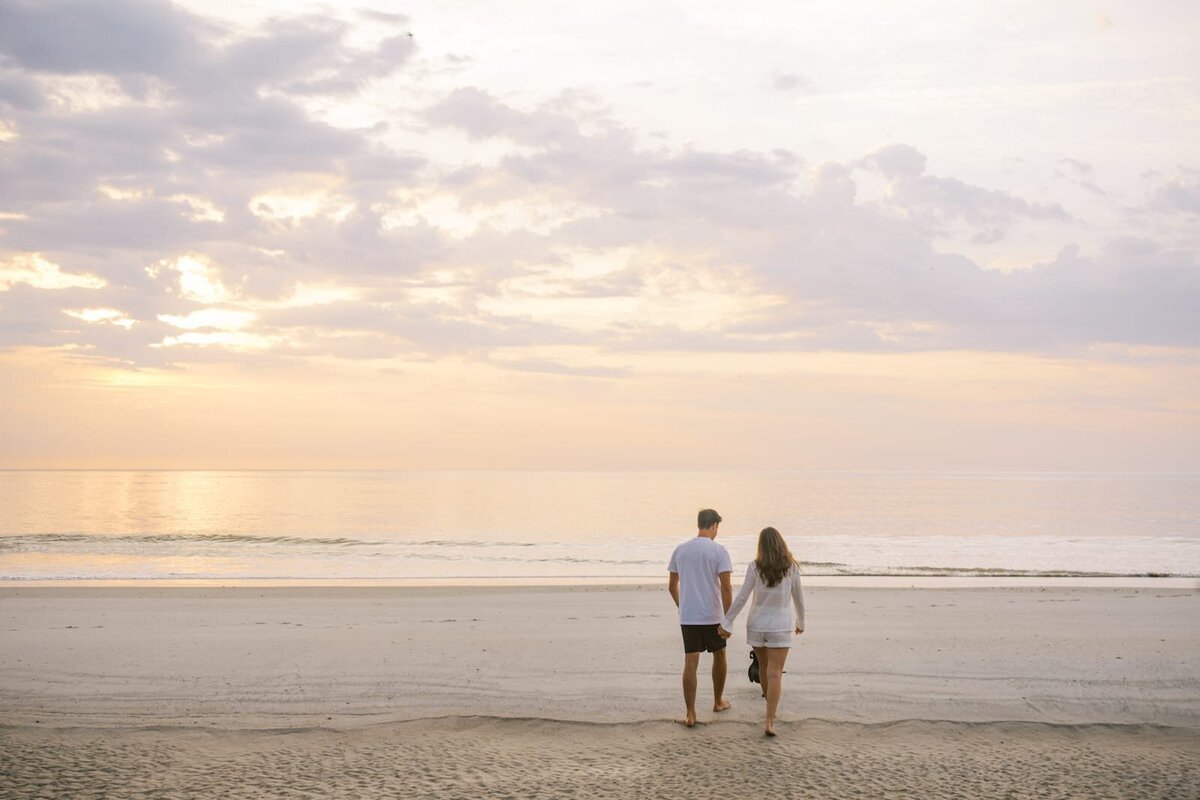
[{"x": 528, "y": 524}]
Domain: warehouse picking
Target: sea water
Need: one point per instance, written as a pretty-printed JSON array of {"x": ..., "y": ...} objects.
[{"x": 287, "y": 525}]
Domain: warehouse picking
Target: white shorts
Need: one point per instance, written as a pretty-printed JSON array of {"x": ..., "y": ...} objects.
[{"x": 769, "y": 638}]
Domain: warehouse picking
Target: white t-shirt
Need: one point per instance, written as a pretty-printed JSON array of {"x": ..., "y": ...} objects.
[{"x": 698, "y": 562}]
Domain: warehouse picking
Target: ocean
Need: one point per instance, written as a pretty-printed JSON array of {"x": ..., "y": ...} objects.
[{"x": 620, "y": 526}]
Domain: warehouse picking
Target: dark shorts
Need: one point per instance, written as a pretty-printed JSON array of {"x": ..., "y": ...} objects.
[{"x": 697, "y": 638}]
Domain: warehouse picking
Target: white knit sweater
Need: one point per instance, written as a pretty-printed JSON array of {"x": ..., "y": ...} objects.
[{"x": 770, "y": 610}]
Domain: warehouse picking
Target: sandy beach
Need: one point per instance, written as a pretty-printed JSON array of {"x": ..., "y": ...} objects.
[{"x": 557, "y": 691}]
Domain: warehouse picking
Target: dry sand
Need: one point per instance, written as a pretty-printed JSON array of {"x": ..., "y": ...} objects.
[
  {"x": 559, "y": 692},
  {"x": 492, "y": 758}
]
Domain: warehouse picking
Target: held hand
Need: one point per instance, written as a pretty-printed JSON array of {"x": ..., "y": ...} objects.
[
  {"x": 724, "y": 634},
  {"x": 799, "y": 629}
]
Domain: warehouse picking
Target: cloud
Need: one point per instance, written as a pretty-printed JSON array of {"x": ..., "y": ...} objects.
[
  {"x": 18, "y": 90},
  {"x": 1180, "y": 194},
  {"x": 859, "y": 275},
  {"x": 202, "y": 189},
  {"x": 33, "y": 270},
  {"x": 214, "y": 318},
  {"x": 35, "y": 317},
  {"x": 135, "y": 40},
  {"x": 1080, "y": 173},
  {"x": 106, "y": 316},
  {"x": 218, "y": 136},
  {"x": 546, "y": 367},
  {"x": 936, "y": 201},
  {"x": 481, "y": 116},
  {"x": 791, "y": 83},
  {"x": 119, "y": 37},
  {"x": 897, "y": 161},
  {"x": 306, "y": 56}
]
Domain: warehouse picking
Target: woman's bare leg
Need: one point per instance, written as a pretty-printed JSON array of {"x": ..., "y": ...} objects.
[{"x": 776, "y": 658}]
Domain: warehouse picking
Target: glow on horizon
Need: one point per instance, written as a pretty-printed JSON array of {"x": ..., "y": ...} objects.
[{"x": 925, "y": 411}]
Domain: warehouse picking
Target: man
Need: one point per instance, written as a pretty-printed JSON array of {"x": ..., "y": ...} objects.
[{"x": 701, "y": 588}]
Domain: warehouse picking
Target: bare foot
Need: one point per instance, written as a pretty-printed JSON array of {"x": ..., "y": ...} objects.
[
  {"x": 770, "y": 729},
  {"x": 722, "y": 705},
  {"x": 688, "y": 722}
]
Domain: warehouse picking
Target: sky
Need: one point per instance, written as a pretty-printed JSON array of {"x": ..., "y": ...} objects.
[{"x": 539, "y": 235}]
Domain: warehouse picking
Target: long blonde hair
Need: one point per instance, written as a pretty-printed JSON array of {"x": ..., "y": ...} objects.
[{"x": 773, "y": 560}]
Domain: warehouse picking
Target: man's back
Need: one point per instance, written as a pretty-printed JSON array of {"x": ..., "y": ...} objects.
[{"x": 698, "y": 562}]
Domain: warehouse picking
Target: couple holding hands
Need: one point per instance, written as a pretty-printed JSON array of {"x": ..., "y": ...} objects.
[{"x": 700, "y": 572}]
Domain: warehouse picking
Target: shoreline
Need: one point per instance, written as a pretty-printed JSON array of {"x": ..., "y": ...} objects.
[{"x": 847, "y": 581}]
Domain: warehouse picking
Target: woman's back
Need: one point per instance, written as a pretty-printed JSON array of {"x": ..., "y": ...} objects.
[{"x": 771, "y": 607}]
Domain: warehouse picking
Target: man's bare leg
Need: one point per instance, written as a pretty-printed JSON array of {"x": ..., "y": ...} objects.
[
  {"x": 720, "y": 666},
  {"x": 691, "y": 662}
]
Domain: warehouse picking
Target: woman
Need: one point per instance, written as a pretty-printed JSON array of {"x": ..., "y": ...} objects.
[{"x": 774, "y": 579}]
